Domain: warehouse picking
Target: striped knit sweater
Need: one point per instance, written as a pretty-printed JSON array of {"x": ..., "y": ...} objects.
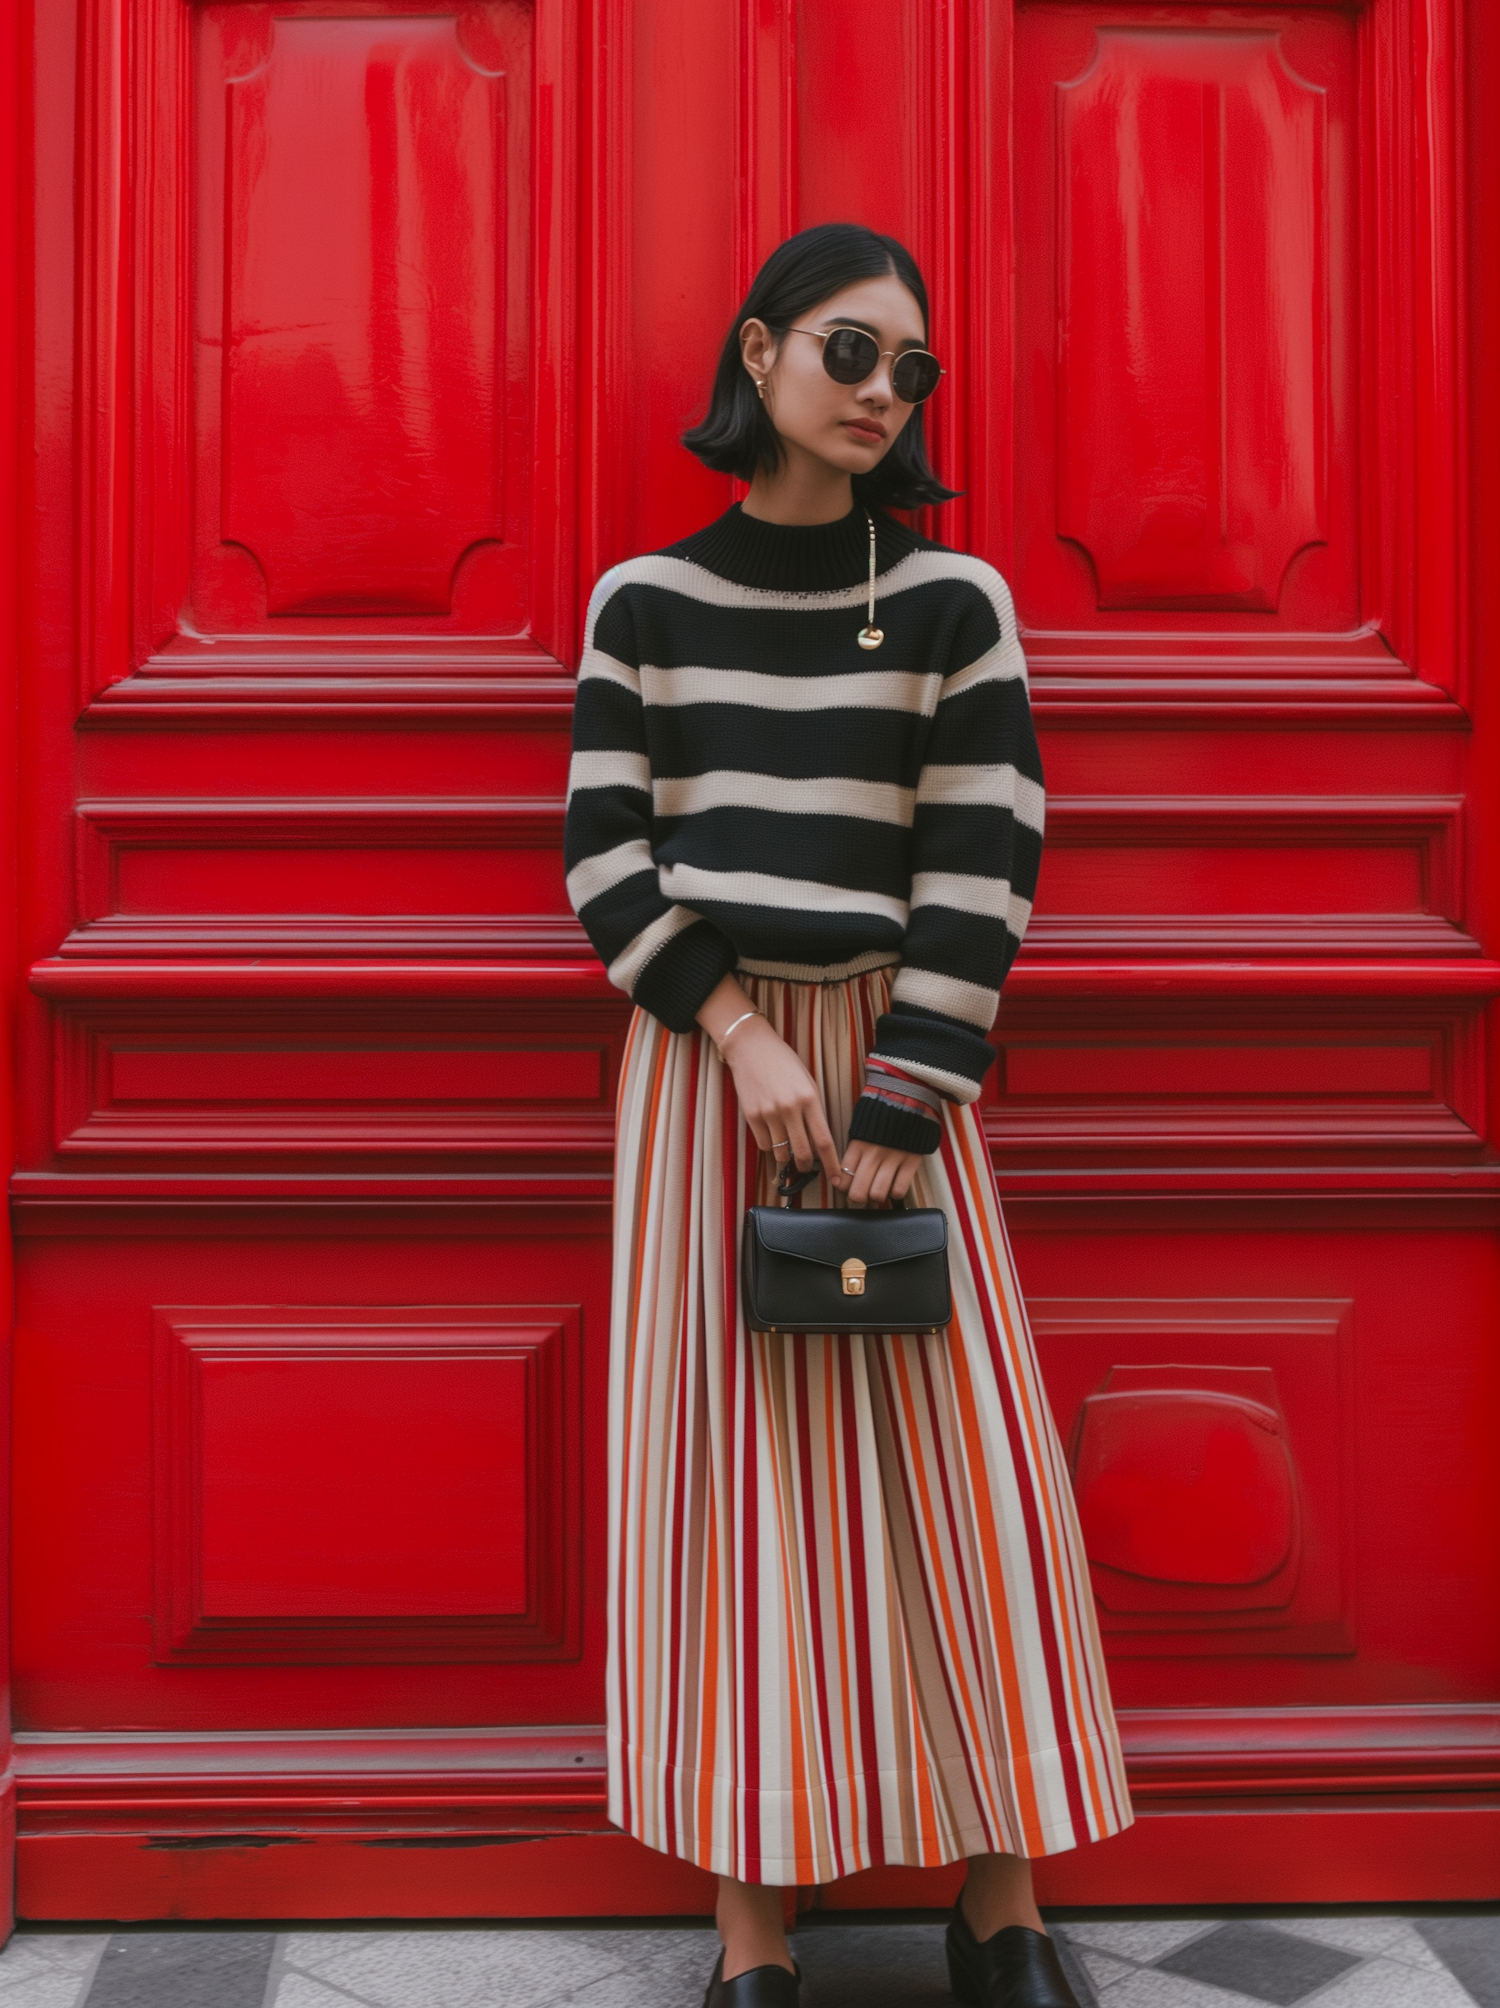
[{"x": 750, "y": 790}]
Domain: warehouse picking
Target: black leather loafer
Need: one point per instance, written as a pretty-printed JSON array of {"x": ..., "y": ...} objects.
[
  {"x": 1015, "y": 1968},
  {"x": 760, "y": 1987}
]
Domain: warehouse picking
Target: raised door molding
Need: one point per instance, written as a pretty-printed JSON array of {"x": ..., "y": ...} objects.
[
  {"x": 412, "y": 559},
  {"x": 299, "y": 1515}
]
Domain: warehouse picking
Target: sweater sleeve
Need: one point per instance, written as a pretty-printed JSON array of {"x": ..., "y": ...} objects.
[
  {"x": 976, "y": 850},
  {"x": 664, "y": 956}
]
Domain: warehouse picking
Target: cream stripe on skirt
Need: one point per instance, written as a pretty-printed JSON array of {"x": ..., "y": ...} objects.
[{"x": 849, "y": 1617}]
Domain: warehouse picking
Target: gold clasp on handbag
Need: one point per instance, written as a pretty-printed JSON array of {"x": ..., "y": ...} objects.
[{"x": 853, "y": 1271}]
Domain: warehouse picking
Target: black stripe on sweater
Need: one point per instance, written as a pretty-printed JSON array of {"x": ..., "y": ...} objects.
[
  {"x": 922, "y": 625},
  {"x": 788, "y": 935},
  {"x": 600, "y": 818},
  {"x": 839, "y": 850},
  {"x": 800, "y": 746},
  {"x": 974, "y": 946}
]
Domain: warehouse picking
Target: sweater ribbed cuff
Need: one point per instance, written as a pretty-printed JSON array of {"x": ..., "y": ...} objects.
[
  {"x": 934, "y": 1045},
  {"x": 875, "y": 1121},
  {"x": 677, "y": 981}
]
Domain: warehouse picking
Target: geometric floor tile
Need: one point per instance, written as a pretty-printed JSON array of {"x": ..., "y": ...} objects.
[
  {"x": 1258, "y": 1960},
  {"x": 1381, "y": 1983},
  {"x": 218, "y": 1969},
  {"x": 1368, "y": 1937},
  {"x": 297, "y": 1991},
  {"x": 1141, "y": 1939},
  {"x": 1470, "y": 1948},
  {"x": 1101, "y": 1969},
  {"x": 1076, "y": 1967},
  {"x": 521, "y": 1968},
  {"x": 871, "y": 1966},
  {"x": 30, "y": 1954},
  {"x": 1148, "y": 1988}
]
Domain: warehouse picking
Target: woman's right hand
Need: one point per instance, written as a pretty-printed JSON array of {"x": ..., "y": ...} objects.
[
  {"x": 780, "y": 1099},
  {"x": 777, "y": 1095}
]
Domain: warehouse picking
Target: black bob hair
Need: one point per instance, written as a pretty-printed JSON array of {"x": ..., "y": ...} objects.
[{"x": 737, "y": 436}]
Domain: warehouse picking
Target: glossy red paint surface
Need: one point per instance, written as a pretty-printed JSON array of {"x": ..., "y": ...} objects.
[
  {"x": 363, "y": 388},
  {"x": 1192, "y": 316},
  {"x": 1189, "y": 255},
  {"x": 299, "y": 1512},
  {"x": 355, "y": 340}
]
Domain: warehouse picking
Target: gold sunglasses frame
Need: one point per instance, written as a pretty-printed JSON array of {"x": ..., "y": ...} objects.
[{"x": 844, "y": 327}]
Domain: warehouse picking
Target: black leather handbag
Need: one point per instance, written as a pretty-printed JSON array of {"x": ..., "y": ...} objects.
[{"x": 843, "y": 1269}]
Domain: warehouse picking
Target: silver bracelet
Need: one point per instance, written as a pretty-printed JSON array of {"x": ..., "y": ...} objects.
[{"x": 721, "y": 1043}]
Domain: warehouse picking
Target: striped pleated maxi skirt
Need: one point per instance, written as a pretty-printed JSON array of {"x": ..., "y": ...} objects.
[{"x": 850, "y": 1620}]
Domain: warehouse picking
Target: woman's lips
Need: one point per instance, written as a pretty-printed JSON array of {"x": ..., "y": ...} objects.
[{"x": 872, "y": 434}]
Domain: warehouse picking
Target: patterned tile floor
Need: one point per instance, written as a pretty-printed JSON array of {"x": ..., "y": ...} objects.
[{"x": 1345, "y": 1959}]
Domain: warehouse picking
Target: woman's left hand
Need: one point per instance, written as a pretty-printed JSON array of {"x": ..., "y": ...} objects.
[{"x": 877, "y": 1174}]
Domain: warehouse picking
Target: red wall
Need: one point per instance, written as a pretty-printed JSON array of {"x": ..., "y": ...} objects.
[{"x": 355, "y": 340}]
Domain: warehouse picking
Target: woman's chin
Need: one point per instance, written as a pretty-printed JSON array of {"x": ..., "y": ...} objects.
[{"x": 852, "y": 456}]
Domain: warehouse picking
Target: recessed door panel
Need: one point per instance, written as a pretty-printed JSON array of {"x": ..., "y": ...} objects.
[
  {"x": 365, "y": 252},
  {"x": 1187, "y": 231},
  {"x": 365, "y": 338},
  {"x": 1192, "y": 317},
  {"x": 300, "y": 1512}
]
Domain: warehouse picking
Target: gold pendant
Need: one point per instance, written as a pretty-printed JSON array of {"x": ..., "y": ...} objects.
[{"x": 870, "y": 637}]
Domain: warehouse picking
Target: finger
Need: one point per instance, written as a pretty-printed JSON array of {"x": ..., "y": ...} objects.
[
  {"x": 859, "y": 1187},
  {"x": 773, "y": 1122},
  {"x": 761, "y": 1130},
  {"x": 880, "y": 1184},
  {"x": 796, "y": 1131},
  {"x": 821, "y": 1138},
  {"x": 905, "y": 1179},
  {"x": 783, "y": 1129}
]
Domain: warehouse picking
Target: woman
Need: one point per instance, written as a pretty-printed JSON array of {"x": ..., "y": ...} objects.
[{"x": 849, "y": 1618}]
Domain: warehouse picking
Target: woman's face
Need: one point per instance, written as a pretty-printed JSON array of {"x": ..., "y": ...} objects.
[{"x": 850, "y": 426}]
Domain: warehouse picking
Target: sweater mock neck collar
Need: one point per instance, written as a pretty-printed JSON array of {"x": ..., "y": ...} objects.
[{"x": 796, "y": 557}]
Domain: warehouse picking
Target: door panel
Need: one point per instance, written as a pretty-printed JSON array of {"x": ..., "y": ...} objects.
[
  {"x": 353, "y": 250},
  {"x": 1198, "y": 177},
  {"x": 360, "y": 336},
  {"x": 298, "y": 1515},
  {"x": 356, "y": 274},
  {"x": 241, "y": 1488}
]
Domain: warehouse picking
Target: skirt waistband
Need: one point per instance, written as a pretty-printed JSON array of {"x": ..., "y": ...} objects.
[{"x": 801, "y": 972}]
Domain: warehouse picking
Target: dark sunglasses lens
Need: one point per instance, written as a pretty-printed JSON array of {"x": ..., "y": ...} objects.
[
  {"x": 915, "y": 375},
  {"x": 849, "y": 355}
]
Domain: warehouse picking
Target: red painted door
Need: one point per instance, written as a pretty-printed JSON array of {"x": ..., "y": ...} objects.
[{"x": 356, "y": 338}]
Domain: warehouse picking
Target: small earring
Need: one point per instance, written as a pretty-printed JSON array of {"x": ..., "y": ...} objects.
[{"x": 760, "y": 389}]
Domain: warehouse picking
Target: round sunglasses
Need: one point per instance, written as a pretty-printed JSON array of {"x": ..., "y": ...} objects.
[{"x": 850, "y": 355}]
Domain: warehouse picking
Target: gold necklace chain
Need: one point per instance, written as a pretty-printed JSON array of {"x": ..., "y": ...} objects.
[{"x": 871, "y": 636}]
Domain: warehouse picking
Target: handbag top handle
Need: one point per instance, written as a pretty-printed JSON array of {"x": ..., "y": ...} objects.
[{"x": 791, "y": 1184}]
